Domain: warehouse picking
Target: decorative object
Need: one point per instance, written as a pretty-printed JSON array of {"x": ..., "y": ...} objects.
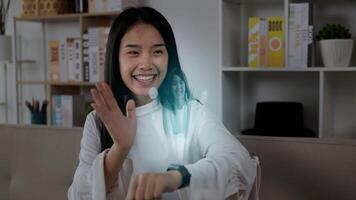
[
  {"x": 336, "y": 45},
  {"x": 279, "y": 118},
  {"x": 47, "y": 7},
  {"x": 38, "y": 115},
  {"x": 4, "y": 9}
]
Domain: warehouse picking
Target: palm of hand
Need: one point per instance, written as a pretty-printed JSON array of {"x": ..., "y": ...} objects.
[{"x": 121, "y": 128}]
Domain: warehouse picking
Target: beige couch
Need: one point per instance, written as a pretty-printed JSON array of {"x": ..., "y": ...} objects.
[
  {"x": 305, "y": 168},
  {"x": 37, "y": 162}
]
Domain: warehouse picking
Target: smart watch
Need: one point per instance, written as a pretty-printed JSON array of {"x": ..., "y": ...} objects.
[{"x": 183, "y": 171}]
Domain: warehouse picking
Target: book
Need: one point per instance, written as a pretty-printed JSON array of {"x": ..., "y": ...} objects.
[
  {"x": 275, "y": 38},
  {"x": 104, "y": 5},
  {"x": 253, "y": 41},
  {"x": 68, "y": 110},
  {"x": 70, "y": 59},
  {"x": 78, "y": 71},
  {"x": 63, "y": 61},
  {"x": 86, "y": 56},
  {"x": 62, "y": 110},
  {"x": 97, "y": 48},
  {"x": 257, "y": 44},
  {"x": 54, "y": 69},
  {"x": 93, "y": 54},
  {"x": 299, "y": 35}
]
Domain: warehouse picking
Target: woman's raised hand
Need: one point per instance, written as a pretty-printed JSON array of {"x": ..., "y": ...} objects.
[{"x": 121, "y": 128}]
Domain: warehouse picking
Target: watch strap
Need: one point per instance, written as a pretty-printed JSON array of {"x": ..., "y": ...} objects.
[{"x": 183, "y": 171}]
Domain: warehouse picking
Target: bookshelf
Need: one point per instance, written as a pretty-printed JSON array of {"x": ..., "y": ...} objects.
[
  {"x": 328, "y": 95},
  {"x": 73, "y": 25}
]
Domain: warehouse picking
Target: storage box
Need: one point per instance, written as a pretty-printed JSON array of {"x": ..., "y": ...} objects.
[
  {"x": 110, "y": 5},
  {"x": 47, "y": 7}
]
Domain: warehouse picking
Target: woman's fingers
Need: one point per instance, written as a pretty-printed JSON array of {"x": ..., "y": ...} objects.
[
  {"x": 130, "y": 109},
  {"x": 96, "y": 97},
  {"x": 150, "y": 187},
  {"x": 146, "y": 186},
  {"x": 107, "y": 94},
  {"x": 158, "y": 189},
  {"x": 141, "y": 187},
  {"x": 132, "y": 189}
]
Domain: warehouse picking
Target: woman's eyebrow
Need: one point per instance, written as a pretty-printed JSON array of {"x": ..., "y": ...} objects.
[
  {"x": 159, "y": 45},
  {"x": 132, "y": 45}
]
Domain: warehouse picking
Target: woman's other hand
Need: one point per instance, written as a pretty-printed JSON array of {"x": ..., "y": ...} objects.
[
  {"x": 121, "y": 128},
  {"x": 153, "y": 185}
]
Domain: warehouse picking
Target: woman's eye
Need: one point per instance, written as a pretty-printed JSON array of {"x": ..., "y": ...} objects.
[
  {"x": 158, "y": 52},
  {"x": 133, "y": 52}
]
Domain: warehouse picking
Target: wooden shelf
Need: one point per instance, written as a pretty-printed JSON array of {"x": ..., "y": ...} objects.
[
  {"x": 310, "y": 69},
  {"x": 65, "y": 17},
  {"x": 253, "y": 1},
  {"x": 26, "y": 61},
  {"x": 101, "y": 14},
  {"x": 56, "y": 83},
  {"x": 62, "y": 17}
]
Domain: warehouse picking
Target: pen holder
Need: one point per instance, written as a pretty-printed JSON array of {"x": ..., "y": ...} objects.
[{"x": 38, "y": 118}]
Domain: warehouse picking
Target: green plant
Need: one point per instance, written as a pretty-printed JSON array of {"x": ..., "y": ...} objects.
[
  {"x": 333, "y": 31},
  {"x": 4, "y": 8}
]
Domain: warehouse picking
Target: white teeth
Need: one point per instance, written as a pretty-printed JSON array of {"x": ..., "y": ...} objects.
[{"x": 144, "y": 77}]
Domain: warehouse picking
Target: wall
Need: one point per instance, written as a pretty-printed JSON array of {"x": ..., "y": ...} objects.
[
  {"x": 195, "y": 24},
  {"x": 196, "y": 28}
]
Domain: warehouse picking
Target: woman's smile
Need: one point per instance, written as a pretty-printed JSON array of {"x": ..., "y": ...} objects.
[{"x": 145, "y": 80}]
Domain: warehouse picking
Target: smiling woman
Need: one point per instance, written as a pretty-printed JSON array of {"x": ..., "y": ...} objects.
[
  {"x": 138, "y": 147},
  {"x": 144, "y": 60}
]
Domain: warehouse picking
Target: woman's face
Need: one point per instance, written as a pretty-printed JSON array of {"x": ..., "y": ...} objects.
[
  {"x": 178, "y": 87},
  {"x": 143, "y": 60}
]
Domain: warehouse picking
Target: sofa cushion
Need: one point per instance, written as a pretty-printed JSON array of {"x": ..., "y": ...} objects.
[{"x": 41, "y": 161}]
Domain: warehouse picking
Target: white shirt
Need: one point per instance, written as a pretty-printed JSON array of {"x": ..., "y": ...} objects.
[{"x": 219, "y": 165}]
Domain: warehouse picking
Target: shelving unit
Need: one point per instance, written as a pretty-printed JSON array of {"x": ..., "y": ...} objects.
[
  {"x": 327, "y": 94},
  {"x": 50, "y": 25}
]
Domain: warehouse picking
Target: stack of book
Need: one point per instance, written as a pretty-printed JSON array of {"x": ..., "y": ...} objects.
[
  {"x": 67, "y": 110},
  {"x": 65, "y": 60},
  {"x": 266, "y": 41},
  {"x": 65, "y": 57}
]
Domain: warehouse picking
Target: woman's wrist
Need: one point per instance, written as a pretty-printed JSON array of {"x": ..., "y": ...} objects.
[
  {"x": 175, "y": 178},
  {"x": 119, "y": 151}
]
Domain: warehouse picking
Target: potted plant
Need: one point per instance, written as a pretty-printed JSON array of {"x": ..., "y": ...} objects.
[
  {"x": 5, "y": 41},
  {"x": 336, "y": 45}
]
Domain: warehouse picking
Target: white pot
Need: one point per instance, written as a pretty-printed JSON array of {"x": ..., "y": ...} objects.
[{"x": 336, "y": 52}]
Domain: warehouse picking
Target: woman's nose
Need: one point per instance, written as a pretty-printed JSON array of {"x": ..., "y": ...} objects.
[{"x": 145, "y": 62}]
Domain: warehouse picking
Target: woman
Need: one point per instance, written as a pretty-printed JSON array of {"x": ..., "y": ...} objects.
[{"x": 126, "y": 151}]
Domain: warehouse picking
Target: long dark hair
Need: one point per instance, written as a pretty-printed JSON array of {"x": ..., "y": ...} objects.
[{"x": 119, "y": 27}]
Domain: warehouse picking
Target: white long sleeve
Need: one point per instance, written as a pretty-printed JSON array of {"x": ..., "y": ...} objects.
[
  {"x": 89, "y": 178},
  {"x": 226, "y": 166},
  {"x": 218, "y": 163}
]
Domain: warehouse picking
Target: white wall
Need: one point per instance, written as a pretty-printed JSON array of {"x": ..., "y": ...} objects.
[
  {"x": 195, "y": 23},
  {"x": 196, "y": 27},
  {"x": 30, "y": 37}
]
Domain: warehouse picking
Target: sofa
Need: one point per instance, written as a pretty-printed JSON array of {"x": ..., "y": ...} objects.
[
  {"x": 304, "y": 168},
  {"x": 37, "y": 162}
]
